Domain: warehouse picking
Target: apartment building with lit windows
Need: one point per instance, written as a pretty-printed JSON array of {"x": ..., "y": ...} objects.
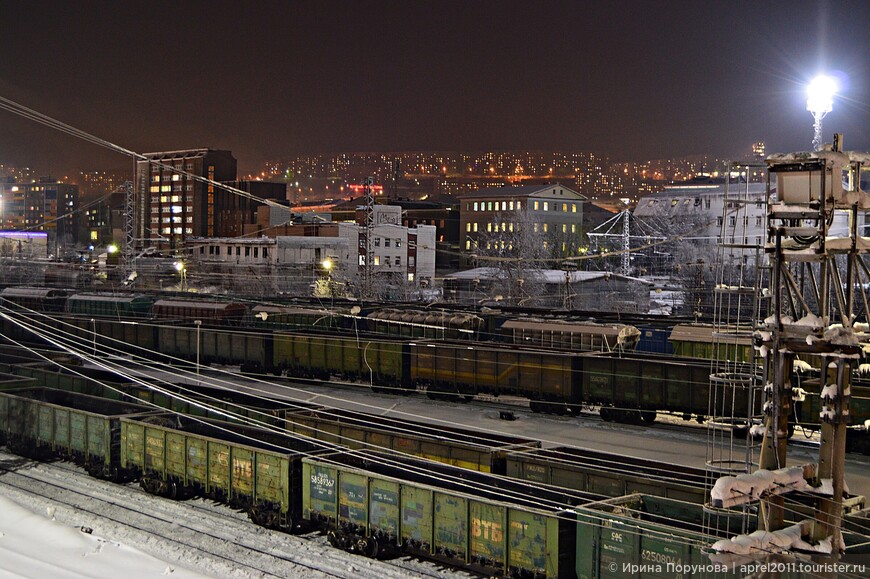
[
  {"x": 171, "y": 204},
  {"x": 44, "y": 205},
  {"x": 552, "y": 212}
]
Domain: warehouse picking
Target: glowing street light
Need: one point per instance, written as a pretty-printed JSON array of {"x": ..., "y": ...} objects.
[
  {"x": 180, "y": 268},
  {"x": 820, "y": 101},
  {"x": 112, "y": 249}
]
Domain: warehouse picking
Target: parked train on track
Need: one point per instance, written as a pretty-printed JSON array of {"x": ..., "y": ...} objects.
[{"x": 626, "y": 387}]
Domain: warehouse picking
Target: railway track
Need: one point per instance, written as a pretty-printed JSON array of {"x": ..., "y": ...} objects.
[{"x": 205, "y": 535}]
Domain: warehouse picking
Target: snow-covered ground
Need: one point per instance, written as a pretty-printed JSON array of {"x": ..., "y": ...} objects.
[
  {"x": 45, "y": 506},
  {"x": 36, "y": 545}
]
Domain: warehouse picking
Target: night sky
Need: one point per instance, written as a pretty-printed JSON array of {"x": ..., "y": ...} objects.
[{"x": 633, "y": 80}]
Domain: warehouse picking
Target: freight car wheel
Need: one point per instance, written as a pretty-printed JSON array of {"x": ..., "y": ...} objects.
[
  {"x": 368, "y": 546},
  {"x": 606, "y": 414},
  {"x": 648, "y": 416}
]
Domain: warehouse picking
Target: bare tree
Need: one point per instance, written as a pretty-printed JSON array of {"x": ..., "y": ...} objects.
[{"x": 517, "y": 253}]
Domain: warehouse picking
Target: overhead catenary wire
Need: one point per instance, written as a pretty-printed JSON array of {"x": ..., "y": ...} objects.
[{"x": 645, "y": 530}]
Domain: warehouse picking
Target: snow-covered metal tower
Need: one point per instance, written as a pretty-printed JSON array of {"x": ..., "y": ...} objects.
[{"x": 818, "y": 309}]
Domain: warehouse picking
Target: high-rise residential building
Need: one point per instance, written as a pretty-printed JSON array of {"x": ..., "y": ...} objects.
[
  {"x": 171, "y": 203},
  {"x": 45, "y": 205}
]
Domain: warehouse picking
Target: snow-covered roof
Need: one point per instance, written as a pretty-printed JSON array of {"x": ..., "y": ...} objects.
[{"x": 546, "y": 275}]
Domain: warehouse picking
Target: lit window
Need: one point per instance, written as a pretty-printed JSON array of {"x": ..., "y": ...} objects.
[
  {"x": 467, "y": 244},
  {"x": 489, "y": 226},
  {"x": 504, "y": 205},
  {"x": 565, "y": 207},
  {"x": 536, "y": 227},
  {"x": 176, "y": 208},
  {"x": 468, "y": 227},
  {"x": 377, "y": 260},
  {"x": 564, "y": 228},
  {"x": 537, "y": 205},
  {"x": 176, "y": 177},
  {"x": 546, "y": 205},
  {"x": 511, "y": 205},
  {"x": 475, "y": 227},
  {"x": 411, "y": 277},
  {"x": 546, "y": 227},
  {"x": 475, "y": 205}
]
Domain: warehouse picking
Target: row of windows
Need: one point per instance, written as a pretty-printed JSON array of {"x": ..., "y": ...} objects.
[
  {"x": 171, "y": 209},
  {"x": 397, "y": 261},
  {"x": 187, "y": 167},
  {"x": 696, "y": 202},
  {"x": 177, "y": 219},
  {"x": 176, "y": 230},
  {"x": 168, "y": 188},
  {"x": 493, "y": 206},
  {"x": 216, "y": 250},
  {"x": 170, "y": 199},
  {"x": 538, "y": 227},
  {"x": 388, "y": 241}
]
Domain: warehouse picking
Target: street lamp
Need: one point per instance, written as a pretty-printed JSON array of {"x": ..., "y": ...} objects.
[
  {"x": 820, "y": 100},
  {"x": 182, "y": 269},
  {"x": 198, "y": 324}
]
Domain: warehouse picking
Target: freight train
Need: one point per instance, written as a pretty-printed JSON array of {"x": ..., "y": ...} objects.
[
  {"x": 625, "y": 387},
  {"x": 409, "y": 322},
  {"x": 366, "y": 502}
]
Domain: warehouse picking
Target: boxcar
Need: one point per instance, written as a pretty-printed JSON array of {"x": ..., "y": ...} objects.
[
  {"x": 492, "y": 525},
  {"x": 203, "y": 310},
  {"x": 632, "y": 386},
  {"x": 248, "y": 468},
  {"x": 702, "y": 341},
  {"x": 110, "y": 305},
  {"x": 382, "y": 363},
  {"x": 35, "y": 298},
  {"x": 654, "y": 537},
  {"x": 463, "y": 448},
  {"x": 250, "y": 349},
  {"x": 447, "y": 370},
  {"x": 607, "y": 474},
  {"x": 570, "y": 335},
  {"x": 646, "y": 536},
  {"x": 42, "y": 422},
  {"x": 299, "y": 318},
  {"x": 430, "y": 324}
]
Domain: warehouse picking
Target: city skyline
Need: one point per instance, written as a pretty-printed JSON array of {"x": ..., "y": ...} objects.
[{"x": 628, "y": 81}]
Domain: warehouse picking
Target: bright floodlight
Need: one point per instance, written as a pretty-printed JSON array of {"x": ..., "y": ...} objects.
[
  {"x": 820, "y": 101},
  {"x": 179, "y": 265},
  {"x": 112, "y": 248}
]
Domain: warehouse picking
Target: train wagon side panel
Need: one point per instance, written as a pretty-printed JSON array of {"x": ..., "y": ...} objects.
[
  {"x": 319, "y": 492},
  {"x": 353, "y": 499},
  {"x": 488, "y": 537},
  {"x": 603, "y": 547},
  {"x": 272, "y": 479},
  {"x": 417, "y": 514},
  {"x": 451, "y": 526},
  {"x": 597, "y": 379},
  {"x": 384, "y": 509},
  {"x": 537, "y": 542}
]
